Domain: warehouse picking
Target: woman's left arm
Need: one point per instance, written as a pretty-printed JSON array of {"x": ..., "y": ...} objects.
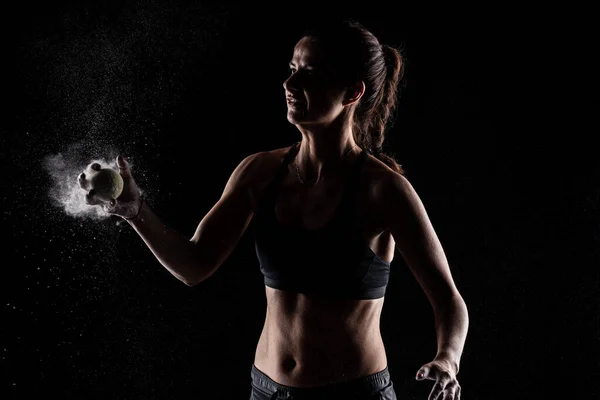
[{"x": 420, "y": 247}]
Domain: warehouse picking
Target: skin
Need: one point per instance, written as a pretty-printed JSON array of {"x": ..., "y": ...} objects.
[{"x": 310, "y": 341}]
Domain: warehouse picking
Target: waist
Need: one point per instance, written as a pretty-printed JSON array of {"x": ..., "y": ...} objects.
[
  {"x": 320, "y": 365},
  {"x": 361, "y": 386},
  {"x": 309, "y": 341}
]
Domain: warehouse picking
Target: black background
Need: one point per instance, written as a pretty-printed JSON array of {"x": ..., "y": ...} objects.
[{"x": 494, "y": 130}]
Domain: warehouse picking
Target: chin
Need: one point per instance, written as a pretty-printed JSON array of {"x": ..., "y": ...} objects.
[{"x": 296, "y": 118}]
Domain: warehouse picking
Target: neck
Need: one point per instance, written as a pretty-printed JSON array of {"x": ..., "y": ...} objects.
[{"x": 322, "y": 153}]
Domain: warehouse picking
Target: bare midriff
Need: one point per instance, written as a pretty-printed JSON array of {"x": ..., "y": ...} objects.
[{"x": 310, "y": 341}]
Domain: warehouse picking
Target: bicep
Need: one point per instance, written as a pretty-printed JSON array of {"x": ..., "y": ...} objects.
[{"x": 417, "y": 241}]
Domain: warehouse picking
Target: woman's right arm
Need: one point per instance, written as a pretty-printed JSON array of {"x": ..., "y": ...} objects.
[{"x": 194, "y": 260}]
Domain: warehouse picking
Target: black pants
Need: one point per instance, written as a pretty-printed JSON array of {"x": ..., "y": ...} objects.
[{"x": 377, "y": 386}]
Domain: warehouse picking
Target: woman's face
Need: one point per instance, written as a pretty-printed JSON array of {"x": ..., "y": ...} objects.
[{"x": 312, "y": 93}]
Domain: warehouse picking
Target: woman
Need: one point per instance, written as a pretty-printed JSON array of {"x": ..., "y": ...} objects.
[{"x": 329, "y": 212}]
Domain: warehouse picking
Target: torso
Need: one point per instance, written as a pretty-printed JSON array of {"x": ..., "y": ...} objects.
[{"x": 308, "y": 341}]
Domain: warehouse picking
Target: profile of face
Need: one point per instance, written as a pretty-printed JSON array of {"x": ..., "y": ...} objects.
[{"x": 313, "y": 94}]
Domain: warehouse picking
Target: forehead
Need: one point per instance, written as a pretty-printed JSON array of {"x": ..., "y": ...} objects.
[{"x": 309, "y": 51}]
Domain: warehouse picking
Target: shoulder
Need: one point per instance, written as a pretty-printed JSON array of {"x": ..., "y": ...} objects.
[
  {"x": 257, "y": 166},
  {"x": 266, "y": 163},
  {"x": 380, "y": 178},
  {"x": 256, "y": 170},
  {"x": 387, "y": 189}
]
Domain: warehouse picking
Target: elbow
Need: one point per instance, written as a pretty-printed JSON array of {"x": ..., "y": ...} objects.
[
  {"x": 452, "y": 302},
  {"x": 460, "y": 303},
  {"x": 190, "y": 277},
  {"x": 191, "y": 280},
  {"x": 195, "y": 272}
]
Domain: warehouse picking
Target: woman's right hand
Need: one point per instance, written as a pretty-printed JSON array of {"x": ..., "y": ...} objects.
[{"x": 128, "y": 204}]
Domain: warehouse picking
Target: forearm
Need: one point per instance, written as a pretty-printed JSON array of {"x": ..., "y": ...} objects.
[
  {"x": 174, "y": 251},
  {"x": 451, "y": 324}
]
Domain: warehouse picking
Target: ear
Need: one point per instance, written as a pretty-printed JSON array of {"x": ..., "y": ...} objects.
[{"x": 354, "y": 93}]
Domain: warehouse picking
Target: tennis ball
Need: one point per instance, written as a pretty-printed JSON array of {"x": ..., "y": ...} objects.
[{"x": 107, "y": 184}]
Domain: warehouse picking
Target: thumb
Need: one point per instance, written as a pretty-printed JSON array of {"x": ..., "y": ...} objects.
[
  {"x": 425, "y": 373},
  {"x": 123, "y": 167}
]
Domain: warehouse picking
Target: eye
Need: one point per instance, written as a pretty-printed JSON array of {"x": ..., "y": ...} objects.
[{"x": 291, "y": 70}]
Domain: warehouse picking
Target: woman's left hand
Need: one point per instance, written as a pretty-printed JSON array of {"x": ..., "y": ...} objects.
[{"x": 443, "y": 372}]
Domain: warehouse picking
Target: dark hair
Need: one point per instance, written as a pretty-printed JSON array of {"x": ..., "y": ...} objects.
[{"x": 356, "y": 54}]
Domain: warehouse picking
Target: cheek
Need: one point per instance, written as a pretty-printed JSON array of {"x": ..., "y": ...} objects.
[{"x": 330, "y": 102}]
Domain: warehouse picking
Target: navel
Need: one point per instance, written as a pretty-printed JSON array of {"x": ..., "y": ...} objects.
[{"x": 288, "y": 363}]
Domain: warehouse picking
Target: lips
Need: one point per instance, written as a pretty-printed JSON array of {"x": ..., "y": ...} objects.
[{"x": 294, "y": 101}]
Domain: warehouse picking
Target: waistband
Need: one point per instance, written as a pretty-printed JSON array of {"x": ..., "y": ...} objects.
[{"x": 366, "y": 384}]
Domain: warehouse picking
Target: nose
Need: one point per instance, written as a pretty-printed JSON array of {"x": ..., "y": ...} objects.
[
  {"x": 286, "y": 84},
  {"x": 291, "y": 83}
]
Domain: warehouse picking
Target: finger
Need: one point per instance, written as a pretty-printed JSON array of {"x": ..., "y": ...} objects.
[
  {"x": 123, "y": 167},
  {"x": 450, "y": 391},
  {"x": 83, "y": 183},
  {"x": 91, "y": 199},
  {"x": 436, "y": 392},
  {"x": 109, "y": 208},
  {"x": 426, "y": 373}
]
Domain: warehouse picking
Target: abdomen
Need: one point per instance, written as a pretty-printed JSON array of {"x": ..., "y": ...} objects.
[{"x": 308, "y": 341}]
